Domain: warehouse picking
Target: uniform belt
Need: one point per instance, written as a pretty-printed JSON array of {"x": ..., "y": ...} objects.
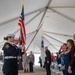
[{"x": 10, "y": 57}]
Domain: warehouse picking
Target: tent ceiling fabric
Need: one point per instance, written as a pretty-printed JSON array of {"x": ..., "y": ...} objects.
[{"x": 59, "y": 18}]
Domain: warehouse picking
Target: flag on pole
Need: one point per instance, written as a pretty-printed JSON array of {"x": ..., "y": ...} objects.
[
  {"x": 22, "y": 37},
  {"x": 42, "y": 52},
  {"x": 42, "y": 43}
]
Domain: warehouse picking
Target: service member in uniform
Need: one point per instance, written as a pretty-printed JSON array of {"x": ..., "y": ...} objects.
[
  {"x": 10, "y": 56},
  {"x": 21, "y": 52}
]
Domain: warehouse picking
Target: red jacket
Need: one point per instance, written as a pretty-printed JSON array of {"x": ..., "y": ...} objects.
[{"x": 52, "y": 58}]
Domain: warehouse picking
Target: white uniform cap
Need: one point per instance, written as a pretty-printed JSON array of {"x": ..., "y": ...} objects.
[
  {"x": 10, "y": 35},
  {"x": 15, "y": 38}
]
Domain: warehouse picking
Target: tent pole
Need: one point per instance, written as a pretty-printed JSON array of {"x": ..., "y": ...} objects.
[
  {"x": 34, "y": 17},
  {"x": 40, "y": 25},
  {"x": 53, "y": 38},
  {"x": 51, "y": 44},
  {"x": 27, "y": 14},
  {"x": 32, "y": 39},
  {"x": 54, "y": 45},
  {"x": 58, "y": 34},
  {"x": 62, "y": 14},
  {"x": 30, "y": 34},
  {"x": 62, "y": 7}
]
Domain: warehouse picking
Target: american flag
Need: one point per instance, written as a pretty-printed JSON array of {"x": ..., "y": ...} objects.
[{"x": 22, "y": 37}]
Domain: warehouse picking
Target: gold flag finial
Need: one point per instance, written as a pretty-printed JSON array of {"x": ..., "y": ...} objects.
[
  {"x": 23, "y": 2},
  {"x": 22, "y": 6}
]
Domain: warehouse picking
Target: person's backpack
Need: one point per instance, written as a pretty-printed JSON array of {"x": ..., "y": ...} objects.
[{"x": 52, "y": 58}]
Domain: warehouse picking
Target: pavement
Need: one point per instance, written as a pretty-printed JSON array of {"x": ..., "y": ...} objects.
[{"x": 39, "y": 71}]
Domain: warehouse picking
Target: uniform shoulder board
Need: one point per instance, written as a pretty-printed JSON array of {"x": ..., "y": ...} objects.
[{"x": 7, "y": 45}]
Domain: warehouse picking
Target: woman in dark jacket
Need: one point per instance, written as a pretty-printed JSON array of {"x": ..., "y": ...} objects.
[
  {"x": 70, "y": 45},
  {"x": 10, "y": 56}
]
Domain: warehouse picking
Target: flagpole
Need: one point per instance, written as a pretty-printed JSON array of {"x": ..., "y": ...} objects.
[
  {"x": 23, "y": 11},
  {"x": 20, "y": 26},
  {"x": 23, "y": 48},
  {"x": 40, "y": 25}
]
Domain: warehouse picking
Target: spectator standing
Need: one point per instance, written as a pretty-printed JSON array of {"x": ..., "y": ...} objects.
[
  {"x": 25, "y": 62},
  {"x": 48, "y": 61},
  {"x": 70, "y": 45},
  {"x": 31, "y": 61},
  {"x": 40, "y": 61},
  {"x": 64, "y": 58}
]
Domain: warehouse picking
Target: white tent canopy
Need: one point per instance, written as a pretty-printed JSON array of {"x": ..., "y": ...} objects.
[{"x": 52, "y": 19}]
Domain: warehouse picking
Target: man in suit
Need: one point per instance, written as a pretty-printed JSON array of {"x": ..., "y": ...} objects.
[
  {"x": 31, "y": 61},
  {"x": 48, "y": 61},
  {"x": 10, "y": 56}
]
